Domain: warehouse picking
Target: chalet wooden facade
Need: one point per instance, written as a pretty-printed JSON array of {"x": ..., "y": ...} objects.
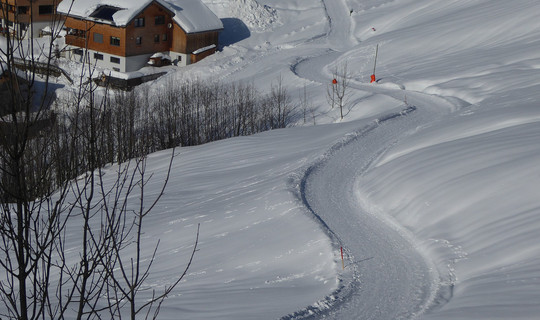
[
  {"x": 123, "y": 35},
  {"x": 18, "y": 15}
]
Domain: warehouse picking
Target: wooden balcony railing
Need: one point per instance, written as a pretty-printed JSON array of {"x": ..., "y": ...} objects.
[{"x": 76, "y": 41}]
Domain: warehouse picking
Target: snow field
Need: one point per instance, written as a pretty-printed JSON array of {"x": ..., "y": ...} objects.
[
  {"x": 458, "y": 181},
  {"x": 474, "y": 192},
  {"x": 463, "y": 186},
  {"x": 460, "y": 187}
]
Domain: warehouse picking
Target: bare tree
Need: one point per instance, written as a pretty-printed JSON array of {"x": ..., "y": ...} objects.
[
  {"x": 30, "y": 219},
  {"x": 338, "y": 90},
  {"x": 127, "y": 267},
  {"x": 282, "y": 104},
  {"x": 51, "y": 181}
]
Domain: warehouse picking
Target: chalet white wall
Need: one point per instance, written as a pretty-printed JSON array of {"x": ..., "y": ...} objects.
[{"x": 126, "y": 64}]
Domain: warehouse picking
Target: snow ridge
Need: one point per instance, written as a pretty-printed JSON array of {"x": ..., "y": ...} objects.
[{"x": 258, "y": 17}]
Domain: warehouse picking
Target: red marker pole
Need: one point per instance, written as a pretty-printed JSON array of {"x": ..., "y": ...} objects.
[
  {"x": 373, "y": 79},
  {"x": 342, "y": 262},
  {"x": 334, "y": 83}
]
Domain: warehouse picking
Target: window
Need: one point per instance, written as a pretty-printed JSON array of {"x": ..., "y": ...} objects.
[
  {"x": 115, "y": 60},
  {"x": 77, "y": 33},
  {"x": 115, "y": 41},
  {"x": 139, "y": 22},
  {"x": 78, "y": 52},
  {"x": 98, "y": 37},
  {"x": 156, "y": 38},
  {"x": 22, "y": 10},
  {"x": 164, "y": 37},
  {"x": 46, "y": 9},
  {"x": 98, "y": 56},
  {"x": 160, "y": 20},
  {"x": 138, "y": 41}
]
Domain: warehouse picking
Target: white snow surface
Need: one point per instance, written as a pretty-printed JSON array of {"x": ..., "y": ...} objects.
[
  {"x": 191, "y": 15},
  {"x": 437, "y": 208}
]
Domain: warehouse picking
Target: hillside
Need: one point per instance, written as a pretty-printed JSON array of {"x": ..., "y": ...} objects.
[
  {"x": 458, "y": 181},
  {"x": 428, "y": 181}
]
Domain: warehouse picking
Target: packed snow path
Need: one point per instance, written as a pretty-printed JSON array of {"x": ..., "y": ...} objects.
[{"x": 392, "y": 280}]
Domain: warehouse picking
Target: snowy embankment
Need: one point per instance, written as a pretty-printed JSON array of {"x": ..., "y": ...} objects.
[
  {"x": 457, "y": 178},
  {"x": 470, "y": 185},
  {"x": 468, "y": 182},
  {"x": 260, "y": 255},
  {"x": 461, "y": 187}
]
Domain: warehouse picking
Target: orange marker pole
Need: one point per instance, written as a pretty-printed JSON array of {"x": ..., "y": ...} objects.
[
  {"x": 342, "y": 262},
  {"x": 373, "y": 79}
]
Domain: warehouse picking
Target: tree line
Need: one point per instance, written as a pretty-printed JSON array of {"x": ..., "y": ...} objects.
[{"x": 132, "y": 124}]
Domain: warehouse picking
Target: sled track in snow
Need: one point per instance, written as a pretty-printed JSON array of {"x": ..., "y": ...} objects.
[{"x": 349, "y": 283}]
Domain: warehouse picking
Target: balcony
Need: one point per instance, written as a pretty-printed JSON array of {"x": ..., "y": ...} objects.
[{"x": 76, "y": 40}]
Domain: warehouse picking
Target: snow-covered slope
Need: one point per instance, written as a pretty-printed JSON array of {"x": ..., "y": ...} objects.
[
  {"x": 462, "y": 185},
  {"x": 456, "y": 180},
  {"x": 470, "y": 185}
]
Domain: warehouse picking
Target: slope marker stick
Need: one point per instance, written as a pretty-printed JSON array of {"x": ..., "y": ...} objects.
[
  {"x": 373, "y": 79},
  {"x": 342, "y": 262}
]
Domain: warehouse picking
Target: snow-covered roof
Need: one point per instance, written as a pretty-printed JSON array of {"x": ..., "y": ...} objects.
[{"x": 191, "y": 15}]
